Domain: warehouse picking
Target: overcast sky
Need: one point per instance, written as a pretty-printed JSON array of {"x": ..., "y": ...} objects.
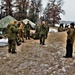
[{"x": 68, "y": 7}]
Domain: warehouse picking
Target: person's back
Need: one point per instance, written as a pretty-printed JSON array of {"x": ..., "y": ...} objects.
[
  {"x": 7, "y": 29},
  {"x": 11, "y": 32},
  {"x": 28, "y": 26}
]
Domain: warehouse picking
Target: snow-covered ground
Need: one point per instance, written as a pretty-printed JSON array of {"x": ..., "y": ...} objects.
[
  {"x": 3, "y": 42},
  {"x": 53, "y": 30},
  {"x": 35, "y": 59}
]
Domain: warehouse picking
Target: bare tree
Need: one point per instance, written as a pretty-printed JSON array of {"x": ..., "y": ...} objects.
[
  {"x": 35, "y": 9},
  {"x": 21, "y": 7},
  {"x": 1, "y": 9},
  {"x": 7, "y": 7},
  {"x": 53, "y": 11}
]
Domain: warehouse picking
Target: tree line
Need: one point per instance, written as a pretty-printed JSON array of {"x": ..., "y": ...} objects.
[{"x": 31, "y": 9}]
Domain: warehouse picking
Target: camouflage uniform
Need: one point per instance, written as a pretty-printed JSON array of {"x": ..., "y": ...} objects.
[
  {"x": 27, "y": 30},
  {"x": 36, "y": 28},
  {"x": 60, "y": 28},
  {"x": 17, "y": 36},
  {"x": 66, "y": 27},
  {"x": 47, "y": 30},
  {"x": 42, "y": 34},
  {"x": 11, "y": 34},
  {"x": 36, "y": 34},
  {"x": 70, "y": 41}
]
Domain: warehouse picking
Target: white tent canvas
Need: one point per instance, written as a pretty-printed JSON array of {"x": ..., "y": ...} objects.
[{"x": 32, "y": 24}]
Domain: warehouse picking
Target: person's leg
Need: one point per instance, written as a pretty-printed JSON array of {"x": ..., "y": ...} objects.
[
  {"x": 43, "y": 40},
  {"x": 67, "y": 49},
  {"x": 46, "y": 34},
  {"x": 22, "y": 37},
  {"x": 40, "y": 39},
  {"x": 13, "y": 46},
  {"x": 18, "y": 41},
  {"x": 28, "y": 34},
  {"x": 70, "y": 50},
  {"x": 10, "y": 46}
]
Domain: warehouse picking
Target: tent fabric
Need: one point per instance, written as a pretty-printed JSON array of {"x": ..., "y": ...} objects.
[
  {"x": 32, "y": 24},
  {"x": 6, "y": 20}
]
